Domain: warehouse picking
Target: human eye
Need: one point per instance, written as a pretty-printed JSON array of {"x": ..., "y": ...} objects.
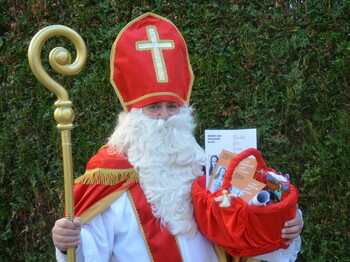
[
  {"x": 173, "y": 105},
  {"x": 152, "y": 107}
]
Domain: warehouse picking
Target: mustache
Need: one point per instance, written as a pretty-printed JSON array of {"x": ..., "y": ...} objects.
[{"x": 182, "y": 121}]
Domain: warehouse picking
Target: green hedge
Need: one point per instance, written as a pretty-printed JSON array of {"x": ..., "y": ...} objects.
[{"x": 283, "y": 70}]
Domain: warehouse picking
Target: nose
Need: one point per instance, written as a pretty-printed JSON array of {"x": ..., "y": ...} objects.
[{"x": 164, "y": 113}]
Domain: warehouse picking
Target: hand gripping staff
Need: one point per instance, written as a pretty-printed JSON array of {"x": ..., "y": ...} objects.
[{"x": 60, "y": 61}]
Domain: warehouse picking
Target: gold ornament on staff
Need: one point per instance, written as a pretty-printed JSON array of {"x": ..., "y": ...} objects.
[{"x": 60, "y": 61}]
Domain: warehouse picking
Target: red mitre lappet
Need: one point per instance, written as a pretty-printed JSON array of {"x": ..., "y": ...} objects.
[{"x": 149, "y": 63}]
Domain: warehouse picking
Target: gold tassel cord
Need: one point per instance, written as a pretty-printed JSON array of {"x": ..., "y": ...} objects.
[
  {"x": 107, "y": 177},
  {"x": 60, "y": 61}
]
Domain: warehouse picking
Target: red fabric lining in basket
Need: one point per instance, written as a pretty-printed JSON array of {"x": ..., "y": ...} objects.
[{"x": 241, "y": 229}]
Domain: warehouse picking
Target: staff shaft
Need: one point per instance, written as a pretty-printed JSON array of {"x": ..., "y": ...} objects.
[{"x": 68, "y": 182}]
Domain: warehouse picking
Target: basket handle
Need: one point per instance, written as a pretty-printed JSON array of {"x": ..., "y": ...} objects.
[{"x": 226, "y": 185}]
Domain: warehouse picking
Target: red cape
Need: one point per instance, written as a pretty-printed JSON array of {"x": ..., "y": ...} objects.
[{"x": 106, "y": 173}]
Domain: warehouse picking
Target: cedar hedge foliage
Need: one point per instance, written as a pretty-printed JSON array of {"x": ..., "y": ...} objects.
[{"x": 280, "y": 66}]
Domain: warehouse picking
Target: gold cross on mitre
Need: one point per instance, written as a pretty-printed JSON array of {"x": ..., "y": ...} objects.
[{"x": 155, "y": 45}]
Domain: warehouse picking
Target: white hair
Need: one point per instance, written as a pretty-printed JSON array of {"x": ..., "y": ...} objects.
[{"x": 168, "y": 160}]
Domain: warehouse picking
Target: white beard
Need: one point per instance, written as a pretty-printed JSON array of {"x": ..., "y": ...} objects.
[{"x": 168, "y": 160}]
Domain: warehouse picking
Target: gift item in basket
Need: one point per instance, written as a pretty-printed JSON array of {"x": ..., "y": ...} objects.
[
  {"x": 242, "y": 229},
  {"x": 278, "y": 186}
]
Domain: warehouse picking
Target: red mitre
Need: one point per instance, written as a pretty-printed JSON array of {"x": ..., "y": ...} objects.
[{"x": 150, "y": 63}]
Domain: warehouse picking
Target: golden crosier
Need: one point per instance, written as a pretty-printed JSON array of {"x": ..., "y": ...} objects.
[{"x": 60, "y": 61}]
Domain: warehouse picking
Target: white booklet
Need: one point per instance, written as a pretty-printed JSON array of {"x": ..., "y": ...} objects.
[{"x": 234, "y": 140}]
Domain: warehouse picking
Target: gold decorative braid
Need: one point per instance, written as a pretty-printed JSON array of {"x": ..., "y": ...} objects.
[
  {"x": 101, "y": 206},
  {"x": 151, "y": 95},
  {"x": 178, "y": 246},
  {"x": 140, "y": 225},
  {"x": 108, "y": 177}
]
